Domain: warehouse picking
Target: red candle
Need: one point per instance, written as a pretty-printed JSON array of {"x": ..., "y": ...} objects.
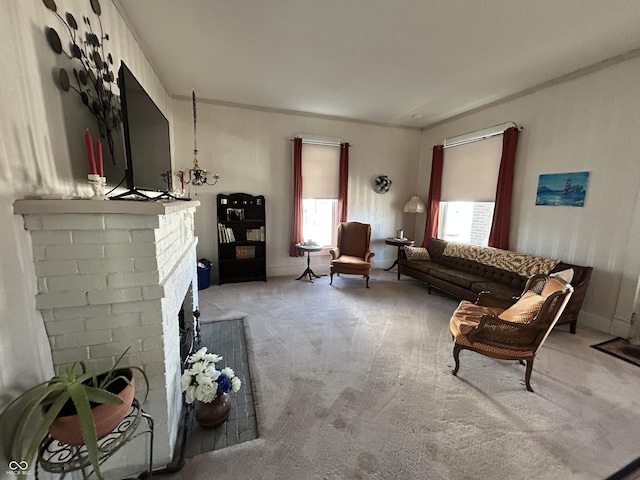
[
  {"x": 99, "y": 158},
  {"x": 89, "y": 144}
]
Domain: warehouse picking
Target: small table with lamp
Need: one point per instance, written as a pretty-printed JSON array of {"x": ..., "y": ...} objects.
[
  {"x": 308, "y": 249},
  {"x": 400, "y": 243}
]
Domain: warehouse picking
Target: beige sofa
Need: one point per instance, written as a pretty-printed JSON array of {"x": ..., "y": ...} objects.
[{"x": 464, "y": 271}]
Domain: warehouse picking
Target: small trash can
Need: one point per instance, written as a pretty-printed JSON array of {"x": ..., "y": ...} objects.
[{"x": 204, "y": 273}]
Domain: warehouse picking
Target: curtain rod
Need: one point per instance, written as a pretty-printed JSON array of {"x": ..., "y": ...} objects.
[
  {"x": 478, "y": 135},
  {"x": 318, "y": 139},
  {"x": 318, "y": 142}
]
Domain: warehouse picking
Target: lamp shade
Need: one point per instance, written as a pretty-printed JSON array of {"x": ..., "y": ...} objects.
[{"x": 414, "y": 205}]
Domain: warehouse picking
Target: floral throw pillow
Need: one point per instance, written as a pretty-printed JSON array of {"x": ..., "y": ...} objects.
[{"x": 417, "y": 253}]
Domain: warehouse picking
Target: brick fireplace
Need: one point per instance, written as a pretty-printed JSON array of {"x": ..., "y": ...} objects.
[{"x": 112, "y": 275}]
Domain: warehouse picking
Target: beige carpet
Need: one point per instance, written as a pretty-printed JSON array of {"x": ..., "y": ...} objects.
[{"x": 356, "y": 383}]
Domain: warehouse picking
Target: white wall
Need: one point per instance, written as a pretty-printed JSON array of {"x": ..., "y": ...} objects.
[
  {"x": 586, "y": 124},
  {"x": 41, "y": 152},
  {"x": 252, "y": 152},
  {"x": 589, "y": 123}
]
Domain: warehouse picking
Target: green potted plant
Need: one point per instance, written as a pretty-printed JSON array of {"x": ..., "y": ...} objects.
[{"x": 75, "y": 399}]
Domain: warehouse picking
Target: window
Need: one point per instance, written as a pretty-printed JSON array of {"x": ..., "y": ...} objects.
[
  {"x": 469, "y": 179},
  {"x": 466, "y": 222},
  {"x": 320, "y": 220},
  {"x": 320, "y": 174}
]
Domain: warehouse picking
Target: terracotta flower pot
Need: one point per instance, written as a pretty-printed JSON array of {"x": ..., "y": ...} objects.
[
  {"x": 106, "y": 417},
  {"x": 214, "y": 414}
]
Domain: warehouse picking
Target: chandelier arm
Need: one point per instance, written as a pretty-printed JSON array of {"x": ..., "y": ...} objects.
[{"x": 193, "y": 96}]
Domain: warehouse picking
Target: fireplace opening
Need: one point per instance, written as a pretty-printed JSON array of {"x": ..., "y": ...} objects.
[{"x": 186, "y": 336}]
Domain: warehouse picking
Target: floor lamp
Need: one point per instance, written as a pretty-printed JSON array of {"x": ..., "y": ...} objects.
[{"x": 414, "y": 205}]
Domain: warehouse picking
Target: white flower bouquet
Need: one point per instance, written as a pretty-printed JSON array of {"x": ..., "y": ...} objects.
[{"x": 203, "y": 381}]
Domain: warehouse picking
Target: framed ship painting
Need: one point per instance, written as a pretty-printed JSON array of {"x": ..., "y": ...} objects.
[{"x": 562, "y": 189}]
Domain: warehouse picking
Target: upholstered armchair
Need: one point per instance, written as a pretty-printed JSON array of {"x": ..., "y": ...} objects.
[
  {"x": 502, "y": 329},
  {"x": 352, "y": 255}
]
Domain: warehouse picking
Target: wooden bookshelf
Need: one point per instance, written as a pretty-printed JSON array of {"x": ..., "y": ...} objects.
[{"x": 241, "y": 238}]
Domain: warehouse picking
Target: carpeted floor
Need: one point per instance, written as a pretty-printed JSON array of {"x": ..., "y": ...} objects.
[{"x": 356, "y": 383}]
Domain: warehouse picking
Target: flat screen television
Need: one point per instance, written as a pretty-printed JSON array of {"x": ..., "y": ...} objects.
[{"x": 146, "y": 140}]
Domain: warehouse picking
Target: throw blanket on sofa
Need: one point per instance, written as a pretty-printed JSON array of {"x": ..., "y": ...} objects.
[{"x": 519, "y": 263}]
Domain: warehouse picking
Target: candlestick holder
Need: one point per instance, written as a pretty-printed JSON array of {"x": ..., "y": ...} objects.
[{"x": 98, "y": 184}]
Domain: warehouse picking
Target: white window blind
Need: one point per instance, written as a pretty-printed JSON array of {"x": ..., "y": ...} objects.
[
  {"x": 470, "y": 171},
  {"x": 320, "y": 171}
]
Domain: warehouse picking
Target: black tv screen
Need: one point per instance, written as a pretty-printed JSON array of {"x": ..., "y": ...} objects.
[{"x": 146, "y": 137}]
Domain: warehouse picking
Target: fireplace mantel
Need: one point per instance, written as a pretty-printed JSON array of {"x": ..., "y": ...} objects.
[
  {"x": 79, "y": 206},
  {"x": 111, "y": 275}
]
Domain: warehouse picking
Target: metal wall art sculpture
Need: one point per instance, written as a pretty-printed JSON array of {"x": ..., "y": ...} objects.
[
  {"x": 382, "y": 184},
  {"x": 93, "y": 75}
]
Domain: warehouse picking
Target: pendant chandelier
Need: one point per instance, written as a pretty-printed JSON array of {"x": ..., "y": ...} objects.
[{"x": 197, "y": 176}]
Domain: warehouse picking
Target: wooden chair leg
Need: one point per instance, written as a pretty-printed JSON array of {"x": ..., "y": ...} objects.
[
  {"x": 456, "y": 357},
  {"x": 572, "y": 326},
  {"x": 331, "y": 282},
  {"x": 527, "y": 375},
  {"x": 367, "y": 277}
]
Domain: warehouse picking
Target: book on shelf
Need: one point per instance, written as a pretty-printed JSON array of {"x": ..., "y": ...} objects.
[
  {"x": 225, "y": 234},
  {"x": 245, "y": 251},
  {"x": 255, "y": 234}
]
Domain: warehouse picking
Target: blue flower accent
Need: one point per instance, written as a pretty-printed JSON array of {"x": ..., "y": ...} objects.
[{"x": 224, "y": 384}]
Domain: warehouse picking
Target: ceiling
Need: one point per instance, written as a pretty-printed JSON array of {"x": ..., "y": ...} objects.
[{"x": 397, "y": 62}]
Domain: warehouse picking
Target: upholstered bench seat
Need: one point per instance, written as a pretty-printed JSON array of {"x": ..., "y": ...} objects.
[
  {"x": 421, "y": 266},
  {"x": 499, "y": 289},
  {"x": 456, "y": 277}
]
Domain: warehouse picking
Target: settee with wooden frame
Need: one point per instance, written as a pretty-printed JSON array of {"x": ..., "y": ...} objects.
[{"x": 510, "y": 331}]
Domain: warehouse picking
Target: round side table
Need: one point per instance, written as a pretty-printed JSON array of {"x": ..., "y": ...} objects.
[
  {"x": 400, "y": 243},
  {"x": 308, "y": 249}
]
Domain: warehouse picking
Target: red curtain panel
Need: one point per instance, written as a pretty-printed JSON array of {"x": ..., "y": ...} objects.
[
  {"x": 499, "y": 234},
  {"x": 296, "y": 216},
  {"x": 433, "y": 201}
]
